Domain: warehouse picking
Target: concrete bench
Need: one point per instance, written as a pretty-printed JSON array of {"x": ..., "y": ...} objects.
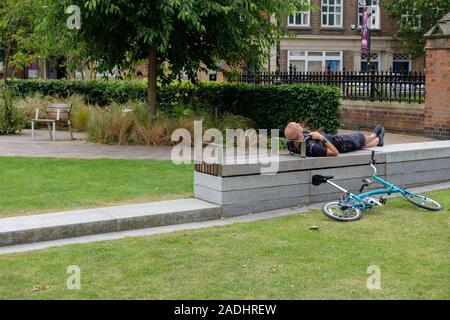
[{"x": 241, "y": 189}]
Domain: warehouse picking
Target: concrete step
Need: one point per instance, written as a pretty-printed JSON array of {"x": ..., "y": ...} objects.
[{"x": 60, "y": 225}]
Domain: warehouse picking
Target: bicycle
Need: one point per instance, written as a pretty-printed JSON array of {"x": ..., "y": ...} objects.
[{"x": 351, "y": 207}]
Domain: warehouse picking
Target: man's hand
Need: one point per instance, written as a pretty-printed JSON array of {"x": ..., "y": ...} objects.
[
  {"x": 316, "y": 136},
  {"x": 331, "y": 149}
]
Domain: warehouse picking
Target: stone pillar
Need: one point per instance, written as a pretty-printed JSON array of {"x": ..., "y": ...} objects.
[
  {"x": 357, "y": 61},
  {"x": 389, "y": 61},
  {"x": 437, "y": 83}
]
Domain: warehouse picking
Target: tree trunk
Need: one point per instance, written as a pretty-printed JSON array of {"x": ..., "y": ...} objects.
[
  {"x": 6, "y": 65},
  {"x": 5, "y": 74},
  {"x": 152, "y": 88}
]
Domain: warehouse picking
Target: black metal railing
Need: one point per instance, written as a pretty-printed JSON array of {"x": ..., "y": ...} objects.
[{"x": 374, "y": 86}]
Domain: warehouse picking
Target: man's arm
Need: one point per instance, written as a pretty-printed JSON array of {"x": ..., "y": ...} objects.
[{"x": 331, "y": 149}]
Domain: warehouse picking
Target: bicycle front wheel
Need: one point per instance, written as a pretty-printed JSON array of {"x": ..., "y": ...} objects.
[
  {"x": 423, "y": 201},
  {"x": 335, "y": 211}
]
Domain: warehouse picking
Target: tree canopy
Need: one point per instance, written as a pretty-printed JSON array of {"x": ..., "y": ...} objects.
[
  {"x": 416, "y": 17},
  {"x": 177, "y": 35},
  {"x": 17, "y": 23}
]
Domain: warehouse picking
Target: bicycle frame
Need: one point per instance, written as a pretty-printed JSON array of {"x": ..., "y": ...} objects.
[{"x": 360, "y": 200}]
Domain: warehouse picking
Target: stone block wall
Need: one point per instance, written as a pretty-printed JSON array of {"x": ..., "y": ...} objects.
[{"x": 241, "y": 189}]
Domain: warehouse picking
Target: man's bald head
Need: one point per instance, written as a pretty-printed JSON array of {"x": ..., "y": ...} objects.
[{"x": 293, "y": 131}]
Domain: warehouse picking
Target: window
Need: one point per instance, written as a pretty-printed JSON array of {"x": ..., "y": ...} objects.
[
  {"x": 374, "y": 11},
  {"x": 373, "y": 60},
  {"x": 301, "y": 19},
  {"x": 332, "y": 13},
  {"x": 315, "y": 61},
  {"x": 401, "y": 63},
  {"x": 333, "y": 61},
  {"x": 413, "y": 22},
  {"x": 1, "y": 65}
]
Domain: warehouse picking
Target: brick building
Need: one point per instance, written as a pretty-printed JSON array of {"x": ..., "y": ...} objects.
[
  {"x": 329, "y": 38},
  {"x": 44, "y": 68}
]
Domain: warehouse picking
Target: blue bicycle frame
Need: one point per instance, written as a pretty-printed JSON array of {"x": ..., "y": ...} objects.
[{"x": 360, "y": 200}]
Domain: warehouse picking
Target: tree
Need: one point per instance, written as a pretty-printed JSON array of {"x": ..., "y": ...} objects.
[
  {"x": 53, "y": 39},
  {"x": 17, "y": 22},
  {"x": 178, "y": 36},
  {"x": 416, "y": 17}
]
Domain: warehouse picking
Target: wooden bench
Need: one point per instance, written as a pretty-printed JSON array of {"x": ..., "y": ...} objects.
[{"x": 56, "y": 113}]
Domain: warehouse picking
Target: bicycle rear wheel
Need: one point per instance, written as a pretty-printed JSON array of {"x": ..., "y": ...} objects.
[
  {"x": 335, "y": 211},
  {"x": 423, "y": 201}
]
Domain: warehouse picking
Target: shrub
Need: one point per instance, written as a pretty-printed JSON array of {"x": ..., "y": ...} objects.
[
  {"x": 227, "y": 120},
  {"x": 11, "y": 121},
  {"x": 80, "y": 111},
  {"x": 269, "y": 106},
  {"x": 109, "y": 126},
  {"x": 28, "y": 105},
  {"x": 95, "y": 92},
  {"x": 157, "y": 133},
  {"x": 128, "y": 124}
]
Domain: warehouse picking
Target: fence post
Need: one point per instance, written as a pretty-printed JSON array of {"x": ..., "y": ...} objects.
[{"x": 372, "y": 85}]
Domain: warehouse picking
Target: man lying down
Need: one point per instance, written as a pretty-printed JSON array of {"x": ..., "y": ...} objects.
[{"x": 319, "y": 144}]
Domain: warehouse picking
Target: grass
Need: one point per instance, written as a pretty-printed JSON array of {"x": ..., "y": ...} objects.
[
  {"x": 32, "y": 185},
  {"x": 278, "y": 258}
]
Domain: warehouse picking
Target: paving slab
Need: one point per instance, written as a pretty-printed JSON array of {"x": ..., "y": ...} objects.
[
  {"x": 63, "y": 147},
  {"x": 416, "y": 151},
  {"x": 288, "y": 163}
]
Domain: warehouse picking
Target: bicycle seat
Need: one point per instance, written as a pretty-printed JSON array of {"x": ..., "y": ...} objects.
[{"x": 317, "y": 180}]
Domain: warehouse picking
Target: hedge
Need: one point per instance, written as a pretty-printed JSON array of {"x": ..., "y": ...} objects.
[
  {"x": 269, "y": 106},
  {"x": 100, "y": 92}
]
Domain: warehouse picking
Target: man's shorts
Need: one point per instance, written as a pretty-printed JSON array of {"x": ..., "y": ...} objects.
[{"x": 349, "y": 142}]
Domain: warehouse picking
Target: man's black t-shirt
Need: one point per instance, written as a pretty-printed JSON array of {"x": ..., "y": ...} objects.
[{"x": 314, "y": 148}]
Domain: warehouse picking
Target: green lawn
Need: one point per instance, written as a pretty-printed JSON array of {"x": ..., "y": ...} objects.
[
  {"x": 275, "y": 259},
  {"x": 31, "y": 185}
]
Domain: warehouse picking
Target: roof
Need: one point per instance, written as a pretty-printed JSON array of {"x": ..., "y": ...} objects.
[{"x": 441, "y": 29}]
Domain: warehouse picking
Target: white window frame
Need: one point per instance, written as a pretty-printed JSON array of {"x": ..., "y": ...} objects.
[
  {"x": 378, "y": 54},
  {"x": 304, "y": 56},
  {"x": 304, "y": 14},
  {"x": 375, "y": 18},
  {"x": 409, "y": 60},
  {"x": 335, "y": 14}
]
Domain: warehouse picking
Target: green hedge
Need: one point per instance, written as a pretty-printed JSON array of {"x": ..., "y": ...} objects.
[
  {"x": 269, "y": 106},
  {"x": 100, "y": 92}
]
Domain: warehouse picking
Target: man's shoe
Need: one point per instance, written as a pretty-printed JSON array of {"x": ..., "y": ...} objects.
[
  {"x": 377, "y": 129},
  {"x": 381, "y": 137}
]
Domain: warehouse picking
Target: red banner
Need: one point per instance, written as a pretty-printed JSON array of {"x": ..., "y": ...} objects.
[{"x": 365, "y": 31}]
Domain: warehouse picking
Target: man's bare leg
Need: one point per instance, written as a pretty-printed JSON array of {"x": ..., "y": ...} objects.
[{"x": 371, "y": 141}]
